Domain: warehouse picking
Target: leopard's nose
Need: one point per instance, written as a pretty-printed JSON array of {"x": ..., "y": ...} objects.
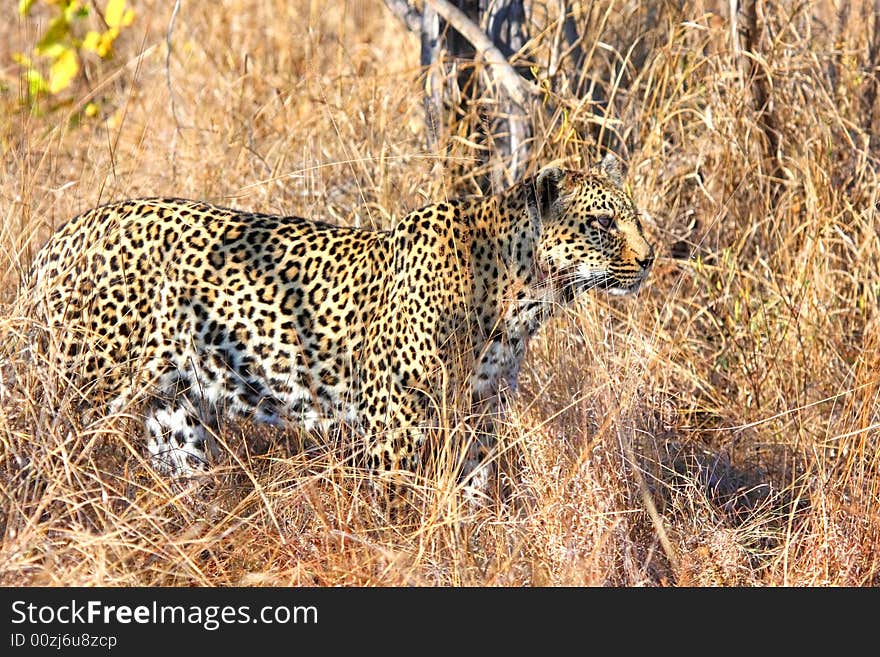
[{"x": 646, "y": 262}]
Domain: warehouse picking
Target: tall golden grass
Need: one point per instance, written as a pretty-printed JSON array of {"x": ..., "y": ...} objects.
[{"x": 719, "y": 428}]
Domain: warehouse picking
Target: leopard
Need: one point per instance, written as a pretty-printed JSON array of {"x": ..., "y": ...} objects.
[{"x": 194, "y": 312}]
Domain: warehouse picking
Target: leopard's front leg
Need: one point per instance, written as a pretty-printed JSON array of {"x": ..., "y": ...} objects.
[{"x": 393, "y": 450}]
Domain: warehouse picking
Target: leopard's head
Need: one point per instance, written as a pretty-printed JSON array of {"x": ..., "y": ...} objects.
[{"x": 590, "y": 233}]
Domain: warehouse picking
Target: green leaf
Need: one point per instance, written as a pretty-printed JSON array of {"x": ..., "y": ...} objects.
[
  {"x": 53, "y": 42},
  {"x": 36, "y": 83},
  {"x": 75, "y": 10}
]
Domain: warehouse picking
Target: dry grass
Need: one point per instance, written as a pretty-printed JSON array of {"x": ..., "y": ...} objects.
[{"x": 721, "y": 428}]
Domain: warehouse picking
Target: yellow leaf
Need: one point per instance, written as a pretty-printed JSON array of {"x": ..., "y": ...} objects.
[
  {"x": 24, "y": 7},
  {"x": 91, "y": 109},
  {"x": 22, "y": 59},
  {"x": 107, "y": 40},
  {"x": 115, "y": 119},
  {"x": 92, "y": 41},
  {"x": 114, "y": 12},
  {"x": 100, "y": 44},
  {"x": 127, "y": 18},
  {"x": 63, "y": 70}
]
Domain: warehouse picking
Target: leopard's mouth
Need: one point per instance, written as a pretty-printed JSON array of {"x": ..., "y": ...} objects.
[
  {"x": 574, "y": 283},
  {"x": 620, "y": 289}
]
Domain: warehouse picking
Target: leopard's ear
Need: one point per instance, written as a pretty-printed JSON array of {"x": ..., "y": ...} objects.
[
  {"x": 610, "y": 166},
  {"x": 545, "y": 191}
]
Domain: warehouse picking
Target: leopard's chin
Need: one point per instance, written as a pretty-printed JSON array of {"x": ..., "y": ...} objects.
[
  {"x": 621, "y": 290},
  {"x": 605, "y": 283}
]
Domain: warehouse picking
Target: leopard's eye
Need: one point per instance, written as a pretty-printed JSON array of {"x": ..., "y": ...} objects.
[{"x": 604, "y": 220}]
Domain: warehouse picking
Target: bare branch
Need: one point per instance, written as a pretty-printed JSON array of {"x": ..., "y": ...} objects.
[
  {"x": 430, "y": 35},
  {"x": 410, "y": 16},
  {"x": 517, "y": 87},
  {"x": 870, "y": 95},
  {"x": 761, "y": 85},
  {"x": 579, "y": 59},
  {"x": 574, "y": 39}
]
